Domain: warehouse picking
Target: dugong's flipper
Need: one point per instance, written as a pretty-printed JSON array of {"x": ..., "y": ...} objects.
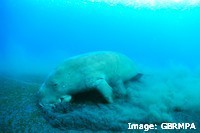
[
  {"x": 104, "y": 88},
  {"x": 101, "y": 85},
  {"x": 121, "y": 89}
]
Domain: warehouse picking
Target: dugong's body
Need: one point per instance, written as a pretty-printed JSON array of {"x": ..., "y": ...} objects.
[{"x": 103, "y": 71}]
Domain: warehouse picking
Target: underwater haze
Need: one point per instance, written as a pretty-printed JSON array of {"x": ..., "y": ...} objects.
[
  {"x": 38, "y": 33},
  {"x": 161, "y": 37}
]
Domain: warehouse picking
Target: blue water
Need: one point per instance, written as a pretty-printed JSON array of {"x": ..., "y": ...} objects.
[{"x": 37, "y": 35}]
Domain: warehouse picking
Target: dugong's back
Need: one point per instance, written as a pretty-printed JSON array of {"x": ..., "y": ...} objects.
[{"x": 105, "y": 62}]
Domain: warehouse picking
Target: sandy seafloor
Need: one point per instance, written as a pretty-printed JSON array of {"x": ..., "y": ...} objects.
[{"x": 19, "y": 112}]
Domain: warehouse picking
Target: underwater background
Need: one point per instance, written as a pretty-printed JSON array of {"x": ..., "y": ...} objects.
[{"x": 162, "y": 37}]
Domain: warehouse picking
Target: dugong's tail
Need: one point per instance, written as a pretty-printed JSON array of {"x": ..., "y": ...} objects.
[{"x": 137, "y": 77}]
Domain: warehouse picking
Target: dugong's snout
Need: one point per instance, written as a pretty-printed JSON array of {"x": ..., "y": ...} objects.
[
  {"x": 45, "y": 100},
  {"x": 49, "y": 98},
  {"x": 49, "y": 104},
  {"x": 46, "y": 105}
]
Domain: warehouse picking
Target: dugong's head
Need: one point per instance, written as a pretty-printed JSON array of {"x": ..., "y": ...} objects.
[{"x": 53, "y": 90}]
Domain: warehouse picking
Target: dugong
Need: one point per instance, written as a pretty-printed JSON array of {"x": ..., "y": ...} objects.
[{"x": 103, "y": 71}]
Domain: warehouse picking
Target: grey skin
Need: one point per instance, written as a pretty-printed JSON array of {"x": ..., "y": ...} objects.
[{"x": 104, "y": 71}]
